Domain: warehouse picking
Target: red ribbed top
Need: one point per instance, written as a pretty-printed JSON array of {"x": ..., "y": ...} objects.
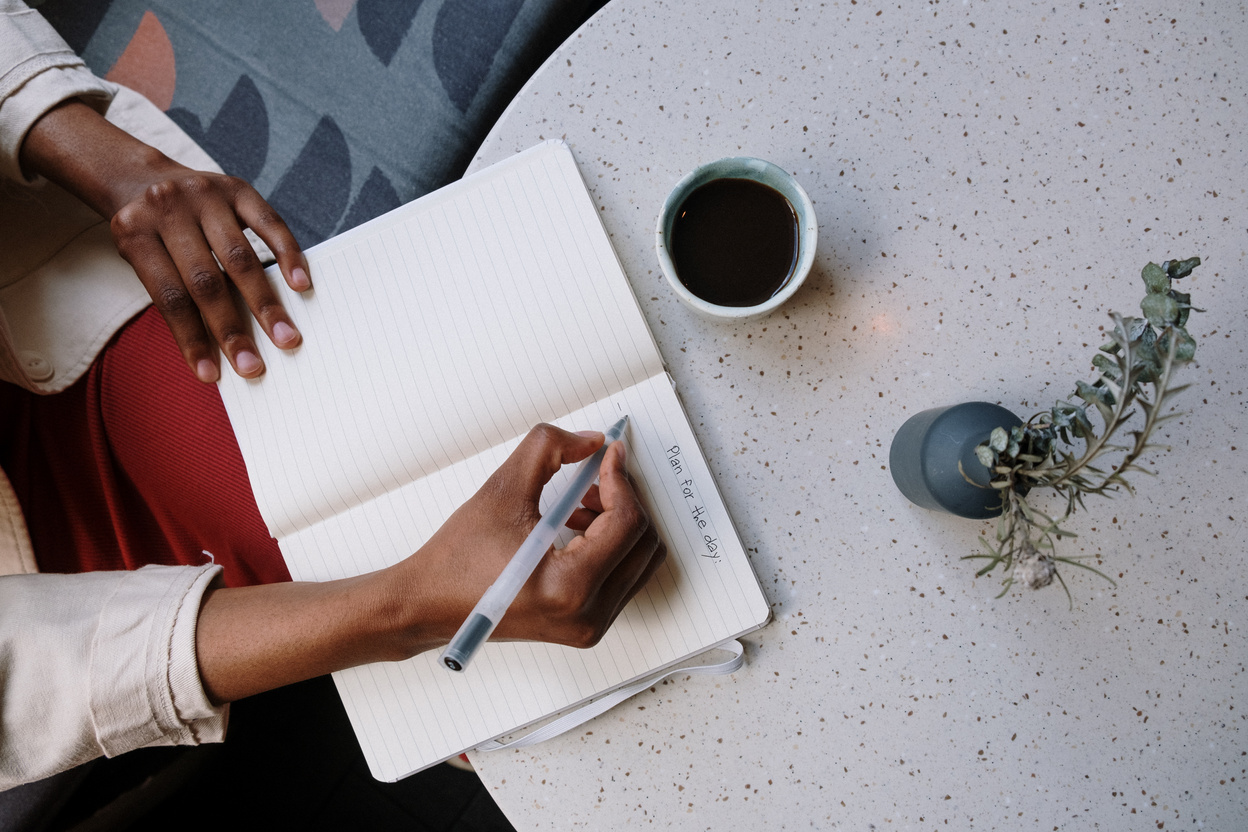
[{"x": 136, "y": 463}]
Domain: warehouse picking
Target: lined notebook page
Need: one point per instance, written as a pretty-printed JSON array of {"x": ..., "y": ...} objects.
[
  {"x": 450, "y": 325},
  {"x": 438, "y": 335}
]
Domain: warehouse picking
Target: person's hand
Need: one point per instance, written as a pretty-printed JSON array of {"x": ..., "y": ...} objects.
[
  {"x": 577, "y": 591},
  {"x": 181, "y": 230}
]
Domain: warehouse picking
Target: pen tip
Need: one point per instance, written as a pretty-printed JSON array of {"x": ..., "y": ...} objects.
[{"x": 617, "y": 430}]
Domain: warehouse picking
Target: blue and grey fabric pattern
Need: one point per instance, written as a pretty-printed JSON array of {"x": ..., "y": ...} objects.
[{"x": 336, "y": 110}]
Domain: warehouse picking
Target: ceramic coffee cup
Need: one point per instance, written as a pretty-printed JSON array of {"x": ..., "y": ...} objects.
[{"x": 670, "y": 254}]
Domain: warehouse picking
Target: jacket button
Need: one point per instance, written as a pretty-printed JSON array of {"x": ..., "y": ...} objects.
[{"x": 38, "y": 368}]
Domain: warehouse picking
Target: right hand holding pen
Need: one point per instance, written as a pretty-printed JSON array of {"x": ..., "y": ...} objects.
[
  {"x": 255, "y": 638},
  {"x": 576, "y": 592}
]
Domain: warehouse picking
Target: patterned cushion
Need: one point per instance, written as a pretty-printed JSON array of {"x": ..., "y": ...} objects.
[{"x": 336, "y": 110}]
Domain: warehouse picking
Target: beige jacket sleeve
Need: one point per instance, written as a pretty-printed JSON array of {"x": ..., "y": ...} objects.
[
  {"x": 99, "y": 664},
  {"x": 38, "y": 70}
]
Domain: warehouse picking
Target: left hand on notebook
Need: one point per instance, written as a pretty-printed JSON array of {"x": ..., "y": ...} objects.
[{"x": 182, "y": 232}]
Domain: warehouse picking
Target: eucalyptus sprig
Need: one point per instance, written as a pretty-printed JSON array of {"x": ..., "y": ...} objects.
[{"x": 1134, "y": 372}]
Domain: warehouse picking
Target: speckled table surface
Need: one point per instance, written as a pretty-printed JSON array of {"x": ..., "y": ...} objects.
[{"x": 989, "y": 178}]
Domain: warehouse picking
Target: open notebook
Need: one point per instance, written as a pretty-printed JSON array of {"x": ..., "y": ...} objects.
[{"x": 436, "y": 336}]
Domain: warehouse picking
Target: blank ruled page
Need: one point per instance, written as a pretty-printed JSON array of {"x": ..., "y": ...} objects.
[
  {"x": 438, "y": 335},
  {"x": 448, "y": 326}
]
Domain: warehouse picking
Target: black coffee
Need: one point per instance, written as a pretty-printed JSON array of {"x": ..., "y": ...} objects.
[{"x": 734, "y": 242}]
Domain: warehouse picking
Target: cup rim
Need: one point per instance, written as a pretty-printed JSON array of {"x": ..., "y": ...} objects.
[{"x": 758, "y": 170}]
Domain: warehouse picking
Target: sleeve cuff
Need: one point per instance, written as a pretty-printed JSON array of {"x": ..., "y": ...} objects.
[
  {"x": 99, "y": 663},
  {"x": 36, "y": 95},
  {"x": 39, "y": 72},
  {"x": 145, "y": 686},
  {"x": 190, "y": 701}
]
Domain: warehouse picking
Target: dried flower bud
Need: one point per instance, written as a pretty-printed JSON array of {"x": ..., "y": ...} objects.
[{"x": 1033, "y": 569}]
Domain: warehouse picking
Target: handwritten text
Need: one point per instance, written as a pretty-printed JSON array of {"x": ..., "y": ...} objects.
[{"x": 693, "y": 504}]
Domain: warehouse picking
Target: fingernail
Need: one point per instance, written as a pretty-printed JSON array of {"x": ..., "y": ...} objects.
[
  {"x": 247, "y": 362},
  {"x": 206, "y": 371},
  {"x": 299, "y": 279},
  {"x": 285, "y": 335},
  {"x": 590, "y": 434}
]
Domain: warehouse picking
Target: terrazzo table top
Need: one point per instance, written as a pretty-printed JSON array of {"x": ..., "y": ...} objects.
[{"x": 989, "y": 179}]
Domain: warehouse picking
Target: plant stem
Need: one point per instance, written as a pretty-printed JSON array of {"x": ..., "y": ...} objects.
[{"x": 1121, "y": 402}]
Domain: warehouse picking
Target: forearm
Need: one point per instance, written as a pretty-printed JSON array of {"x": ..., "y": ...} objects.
[{"x": 253, "y": 639}]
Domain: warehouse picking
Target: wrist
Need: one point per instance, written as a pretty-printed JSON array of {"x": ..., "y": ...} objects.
[
  {"x": 138, "y": 166},
  {"x": 96, "y": 161},
  {"x": 407, "y": 613}
]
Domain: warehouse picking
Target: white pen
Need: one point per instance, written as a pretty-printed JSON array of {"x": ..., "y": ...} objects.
[{"x": 494, "y": 603}]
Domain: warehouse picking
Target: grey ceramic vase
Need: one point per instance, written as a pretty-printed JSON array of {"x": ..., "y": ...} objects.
[{"x": 926, "y": 452}]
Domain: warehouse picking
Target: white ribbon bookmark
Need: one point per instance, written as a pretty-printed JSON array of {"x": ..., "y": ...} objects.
[{"x": 599, "y": 706}]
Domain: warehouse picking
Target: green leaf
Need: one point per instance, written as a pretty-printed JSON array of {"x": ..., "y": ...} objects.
[
  {"x": 1155, "y": 278},
  {"x": 1182, "y": 268},
  {"x": 1187, "y": 347},
  {"x": 1098, "y": 395},
  {"x": 1147, "y": 359},
  {"x": 1107, "y": 365},
  {"x": 1184, "y": 300},
  {"x": 998, "y": 440},
  {"x": 985, "y": 456},
  {"x": 1083, "y": 425},
  {"x": 1161, "y": 310}
]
